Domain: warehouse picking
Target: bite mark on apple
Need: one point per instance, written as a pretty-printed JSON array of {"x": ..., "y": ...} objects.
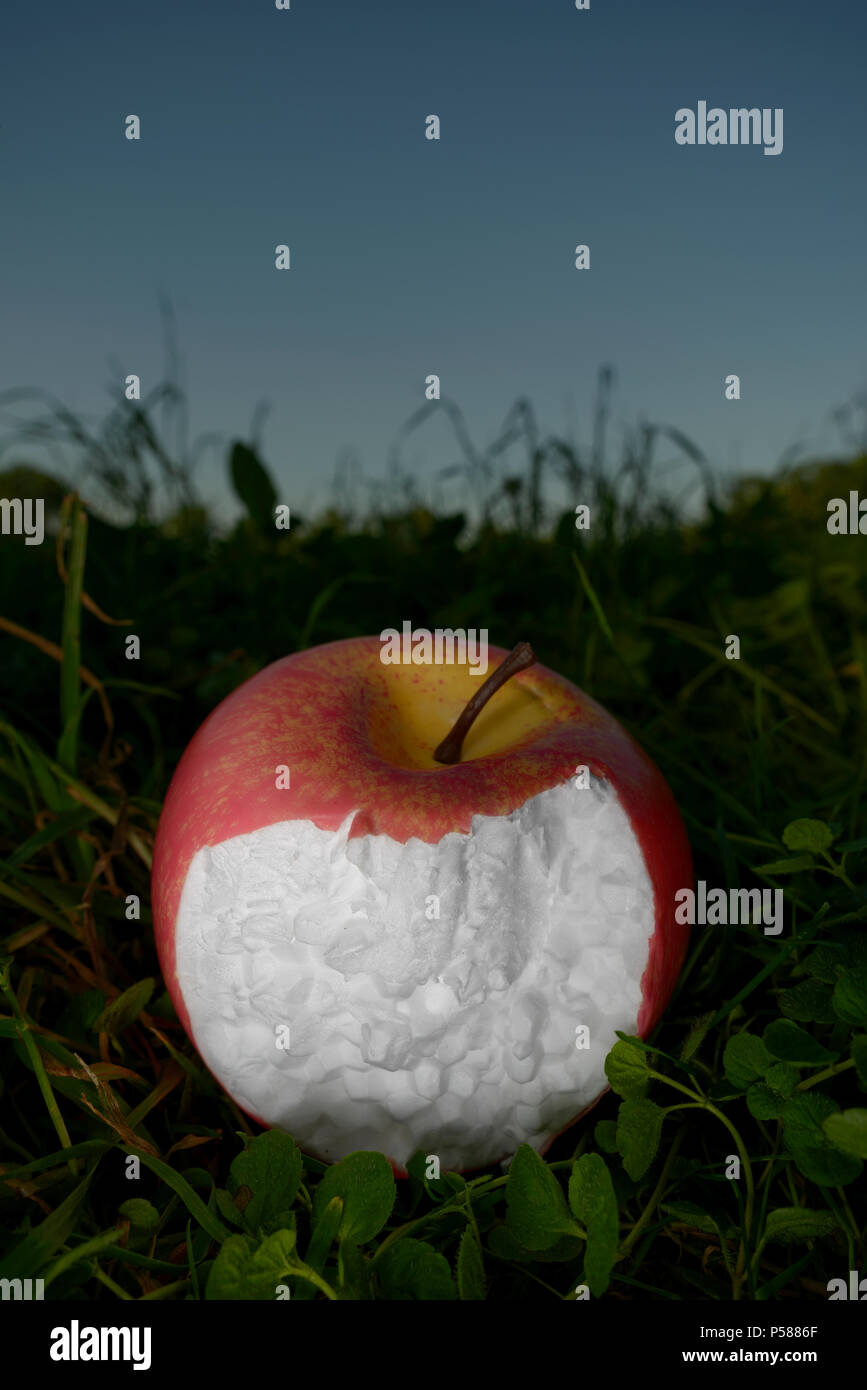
[{"x": 455, "y": 1033}]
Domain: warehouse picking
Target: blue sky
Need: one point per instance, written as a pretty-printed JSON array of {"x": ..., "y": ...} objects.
[{"x": 410, "y": 256}]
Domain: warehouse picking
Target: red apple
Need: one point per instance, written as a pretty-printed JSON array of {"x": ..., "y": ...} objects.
[{"x": 393, "y": 953}]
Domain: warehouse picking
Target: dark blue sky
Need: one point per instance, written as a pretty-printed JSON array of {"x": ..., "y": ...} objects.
[{"x": 456, "y": 257}]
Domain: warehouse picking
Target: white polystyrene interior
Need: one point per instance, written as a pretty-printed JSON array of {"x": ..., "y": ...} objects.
[{"x": 455, "y": 1035}]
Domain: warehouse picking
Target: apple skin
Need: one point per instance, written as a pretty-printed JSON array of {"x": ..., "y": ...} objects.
[{"x": 358, "y": 734}]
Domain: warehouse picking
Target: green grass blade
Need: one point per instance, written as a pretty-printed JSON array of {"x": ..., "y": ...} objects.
[
  {"x": 194, "y": 1204},
  {"x": 29, "y": 1256}
]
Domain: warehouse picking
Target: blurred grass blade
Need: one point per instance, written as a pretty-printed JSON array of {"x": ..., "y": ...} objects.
[
  {"x": 59, "y": 788},
  {"x": 94, "y": 1246},
  {"x": 38, "y": 1065},
  {"x": 253, "y": 486},
  {"x": 63, "y": 824},
  {"x": 27, "y": 1258},
  {"x": 743, "y": 669},
  {"x": 72, "y": 515}
]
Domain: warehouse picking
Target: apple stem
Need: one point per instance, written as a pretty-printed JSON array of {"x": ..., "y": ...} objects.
[{"x": 522, "y": 656}]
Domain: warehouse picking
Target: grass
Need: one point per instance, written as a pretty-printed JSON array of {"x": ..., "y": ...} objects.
[{"x": 126, "y": 1173}]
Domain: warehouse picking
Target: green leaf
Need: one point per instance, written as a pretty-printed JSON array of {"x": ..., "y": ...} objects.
[
  {"x": 847, "y": 1131},
  {"x": 692, "y": 1215},
  {"x": 859, "y": 1057},
  {"x": 592, "y": 1199},
  {"x": 471, "y": 1269},
  {"x": 639, "y": 1126},
  {"x": 817, "y": 1158},
  {"x": 745, "y": 1060},
  {"x": 850, "y": 997},
  {"x": 825, "y": 963},
  {"x": 227, "y": 1208},
  {"x": 634, "y": 1041},
  {"x": 124, "y": 1010},
  {"x": 253, "y": 486},
  {"x": 814, "y": 836},
  {"x": 628, "y": 1070},
  {"x": 804, "y": 1115},
  {"x": 412, "y": 1270},
  {"x": 605, "y": 1134},
  {"x": 808, "y": 1002},
  {"x": 365, "y": 1181},
  {"x": 443, "y": 1188},
  {"x": 828, "y": 1167},
  {"x": 356, "y": 1283},
  {"x": 787, "y": 866},
  {"x": 765, "y": 1099},
  {"x": 537, "y": 1213},
  {"x": 782, "y": 1079},
  {"x": 784, "y": 1039},
  {"x": 325, "y": 1229},
  {"x": 504, "y": 1246},
  {"x": 141, "y": 1214},
  {"x": 789, "y": 1224},
  {"x": 565, "y": 1250},
  {"x": 245, "y": 1270},
  {"x": 696, "y": 1036},
  {"x": 270, "y": 1167},
  {"x": 416, "y": 1166},
  {"x": 763, "y": 1103}
]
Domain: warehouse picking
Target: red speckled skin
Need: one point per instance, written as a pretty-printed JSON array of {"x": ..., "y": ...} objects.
[{"x": 329, "y": 714}]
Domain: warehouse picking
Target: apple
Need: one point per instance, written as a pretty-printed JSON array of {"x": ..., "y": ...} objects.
[{"x": 398, "y": 911}]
